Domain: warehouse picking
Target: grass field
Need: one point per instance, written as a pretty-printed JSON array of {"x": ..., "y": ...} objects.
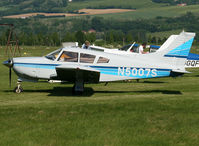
[
  {"x": 145, "y": 9},
  {"x": 113, "y": 3},
  {"x": 152, "y": 12},
  {"x": 153, "y": 112},
  {"x": 143, "y": 13},
  {"x": 3, "y": 8}
]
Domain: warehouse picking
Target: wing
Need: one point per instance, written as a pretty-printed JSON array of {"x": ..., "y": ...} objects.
[{"x": 76, "y": 73}]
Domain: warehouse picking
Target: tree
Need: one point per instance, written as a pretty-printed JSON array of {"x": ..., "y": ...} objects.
[
  {"x": 64, "y": 2},
  {"x": 154, "y": 40},
  {"x": 110, "y": 37},
  {"x": 80, "y": 37},
  {"x": 55, "y": 39},
  {"x": 69, "y": 37},
  {"x": 96, "y": 23},
  {"x": 129, "y": 38},
  {"x": 91, "y": 37}
]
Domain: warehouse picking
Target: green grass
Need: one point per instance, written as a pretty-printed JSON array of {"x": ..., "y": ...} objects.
[
  {"x": 152, "y": 12},
  {"x": 3, "y": 8},
  {"x": 153, "y": 112},
  {"x": 149, "y": 11},
  {"x": 116, "y": 3}
]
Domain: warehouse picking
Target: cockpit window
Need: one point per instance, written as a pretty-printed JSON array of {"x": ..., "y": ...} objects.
[
  {"x": 134, "y": 48},
  {"x": 86, "y": 58},
  {"x": 68, "y": 57},
  {"x": 103, "y": 60},
  {"x": 53, "y": 55},
  {"x": 125, "y": 48}
]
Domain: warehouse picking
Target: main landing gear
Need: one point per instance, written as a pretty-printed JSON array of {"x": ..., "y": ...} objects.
[
  {"x": 78, "y": 87},
  {"x": 18, "y": 89}
]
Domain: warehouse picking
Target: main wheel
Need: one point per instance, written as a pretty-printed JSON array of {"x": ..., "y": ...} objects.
[
  {"x": 18, "y": 90},
  {"x": 76, "y": 92}
]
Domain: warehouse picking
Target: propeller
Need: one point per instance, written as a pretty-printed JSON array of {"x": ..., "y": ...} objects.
[
  {"x": 10, "y": 76},
  {"x": 9, "y": 63},
  {"x": 11, "y": 49}
]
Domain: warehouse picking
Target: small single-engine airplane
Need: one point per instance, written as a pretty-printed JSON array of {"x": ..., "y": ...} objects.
[{"x": 79, "y": 66}]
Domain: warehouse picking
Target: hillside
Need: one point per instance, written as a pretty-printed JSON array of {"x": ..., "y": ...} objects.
[
  {"x": 145, "y": 9},
  {"x": 26, "y": 6},
  {"x": 176, "y": 2},
  {"x": 8, "y": 7}
]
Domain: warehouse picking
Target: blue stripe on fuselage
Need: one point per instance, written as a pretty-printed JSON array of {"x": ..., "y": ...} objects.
[
  {"x": 135, "y": 72},
  {"x": 35, "y": 65}
]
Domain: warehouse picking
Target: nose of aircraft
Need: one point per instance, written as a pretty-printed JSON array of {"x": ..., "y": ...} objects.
[{"x": 8, "y": 63}]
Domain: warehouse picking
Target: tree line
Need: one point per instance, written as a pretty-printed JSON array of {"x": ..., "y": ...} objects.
[
  {"x": 52, "y": 39},
  {"x": 54, "y": 31},
  {"x": 113, "y": 37},
  {"x": 174, "y": 2},
  {"x": 29, "y": 6}
]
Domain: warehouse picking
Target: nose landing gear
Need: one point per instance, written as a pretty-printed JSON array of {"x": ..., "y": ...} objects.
[{"x": 18, "y": 89}]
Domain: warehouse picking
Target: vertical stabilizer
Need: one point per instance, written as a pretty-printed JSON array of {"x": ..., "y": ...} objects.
[{"x": 177, "y": 49}]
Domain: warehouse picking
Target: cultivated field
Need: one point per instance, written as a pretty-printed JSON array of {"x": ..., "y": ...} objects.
[
  {"x": 85, "y": 11},
  {"x": 153, "y": 112}
]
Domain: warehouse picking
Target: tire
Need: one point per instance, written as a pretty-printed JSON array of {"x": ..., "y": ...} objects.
[{"x": 18, "y": 90}]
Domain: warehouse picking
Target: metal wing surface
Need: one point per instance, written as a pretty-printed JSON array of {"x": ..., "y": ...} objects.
[{"x": 73, "y": 73}]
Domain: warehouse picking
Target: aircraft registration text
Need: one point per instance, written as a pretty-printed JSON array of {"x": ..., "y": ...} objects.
[
  {"x": 192, "y": 63},
  {"x": 135, "y": 72}
]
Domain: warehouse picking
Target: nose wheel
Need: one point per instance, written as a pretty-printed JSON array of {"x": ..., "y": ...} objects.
[{"x": 18, "y": 89}]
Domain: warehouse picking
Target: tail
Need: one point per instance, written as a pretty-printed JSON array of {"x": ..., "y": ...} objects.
[{"x": 176, "y": 50}]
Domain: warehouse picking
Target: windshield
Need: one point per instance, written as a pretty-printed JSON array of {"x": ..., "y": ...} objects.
[
  {"x": 53, "y": 55},
  {"x": 125, "y": 48},
  {"x": 133, "y": 48}
]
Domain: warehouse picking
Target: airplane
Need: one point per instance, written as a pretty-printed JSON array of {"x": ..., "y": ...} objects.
[{"x": 80, "y": 66}]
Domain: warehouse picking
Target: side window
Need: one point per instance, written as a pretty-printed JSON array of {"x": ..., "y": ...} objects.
[
  {"x": 103, "y": 60},
  {"x": 86, "y": 58},
  {"x": 69, "y": 57}
]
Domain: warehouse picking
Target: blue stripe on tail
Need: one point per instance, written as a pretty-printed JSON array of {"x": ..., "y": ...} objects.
[{"x": 182, "y": 51}]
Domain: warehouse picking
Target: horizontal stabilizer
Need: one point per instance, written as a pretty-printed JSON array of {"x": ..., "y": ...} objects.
[
  {"x": 181, "y": 71},
  {"x": 176, "y": 73}
]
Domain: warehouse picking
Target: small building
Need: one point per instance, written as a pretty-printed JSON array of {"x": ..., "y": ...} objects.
[
  {"x": 23, "y": 17},
  {"x": 182, "y": 5},
  {"x": 92, "y": 31}
]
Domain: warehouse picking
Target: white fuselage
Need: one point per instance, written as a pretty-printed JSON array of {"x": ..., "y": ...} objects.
[{"x": 120, "y": 67}]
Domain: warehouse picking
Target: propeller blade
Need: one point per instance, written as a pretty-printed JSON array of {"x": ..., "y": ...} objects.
[
  {"x": 9, "y": 63},
  {"x": 10, "y": 76}
]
